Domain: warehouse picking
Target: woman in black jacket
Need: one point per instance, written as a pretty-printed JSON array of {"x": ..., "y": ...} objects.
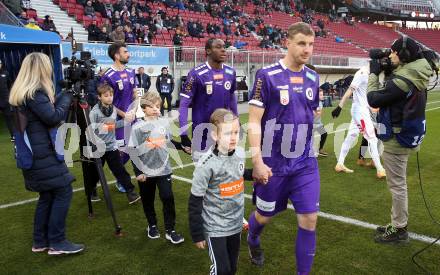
[{"x": 33, "y": 91}]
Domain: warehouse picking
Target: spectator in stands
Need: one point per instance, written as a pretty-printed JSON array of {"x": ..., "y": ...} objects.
[
  {"x": 170, "y": 3},
  {"x": 238, "y": 44},
  {"x": 143, "y": 7},
  {"x": 129, "y": 35},
  {"x": 165, "y": 87},
  {"x": 180, "y": 5},
  {"x": 118, "y": 5},
  {"x": 118, "y": 35},
  {"x": 108, "y": 26},
  {"x": 116, "y": 19},
  {"x": 266, "y": 43},
  {"x": 99, "y": 7},
  {"x": 103, "y": 35},
  {"x": 174, "y": 22},
  {"x": 143, "y": 80},
  {"x": 178, "y": 42},
  {"x": 93, "y": 31},
  {"x": 31, "y": 25},
  {"x": 227, "y": 29},
  {"x": 134, "y": 15},
  {"x": 167, "y": 23},
  {"x": 146, "y": 36},
  {"x": 23, "y": 18},
  {"x": 228, "y": 43},
  {"x": 144, "y": 19},
  {"x": 158, "y": 22},
  {"x": 89, "y": 11},
  {"x": 125, "y": 11},
  {"x": 192, "y": 28},
  {"x": 210, "y": 28},
  {"x": 48, "y": 24},
  {"x": 108, "y": 9}
]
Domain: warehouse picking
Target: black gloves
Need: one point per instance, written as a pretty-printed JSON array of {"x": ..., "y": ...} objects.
[
  {"x": 375, "y": 67},
  {"x": 336, "y": 112},
  {"x": 185, "y": 141}
]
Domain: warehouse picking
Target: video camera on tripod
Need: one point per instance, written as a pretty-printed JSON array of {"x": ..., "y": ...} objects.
[{"x": 78, "y": 73}]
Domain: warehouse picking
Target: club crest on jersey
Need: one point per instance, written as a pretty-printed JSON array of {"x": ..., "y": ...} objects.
[
  {"x": 284, "y": 97},
  {"x": 132, "y": 80},
  {"x": 228, "y": 85},
  {"x": 120, "y": 85},
  {"x": 309, "y": 94},
  {"x": 218, "y": 76},
  {"x": 209, "y": 88},
  {"x": 296, "y": 80},
  {"x": 241, "y": 167}
]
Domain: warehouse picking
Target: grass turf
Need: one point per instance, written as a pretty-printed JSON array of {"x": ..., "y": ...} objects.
[{"x": 342, "y": 248}]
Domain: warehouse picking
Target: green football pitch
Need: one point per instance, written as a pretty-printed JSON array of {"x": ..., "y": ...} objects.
[{"x": 351, "y": 205}]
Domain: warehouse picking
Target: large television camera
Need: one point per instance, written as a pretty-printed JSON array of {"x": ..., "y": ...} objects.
[
  {"x": 77, "y": 73},
  {"x": 381, "y": 56}
]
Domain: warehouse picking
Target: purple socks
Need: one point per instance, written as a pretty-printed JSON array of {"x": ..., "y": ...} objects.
[
  {"x": 254, "y": 231},
  {"x": 305, "y": 250}
]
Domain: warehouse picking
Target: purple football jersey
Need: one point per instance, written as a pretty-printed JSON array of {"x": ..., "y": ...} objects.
[
  {"x": 288, "y": 99},
  {"x": 123, "y": 83},
  {"x": 207, "y": 89}
]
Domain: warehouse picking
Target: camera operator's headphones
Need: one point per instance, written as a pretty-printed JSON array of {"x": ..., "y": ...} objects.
[{"x": 404, "y": 54}]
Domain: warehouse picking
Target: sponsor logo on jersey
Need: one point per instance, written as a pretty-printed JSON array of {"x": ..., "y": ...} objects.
[
  {"x": 241, "y": 167},
  {"x": 285, "y": 87},
  {"x": 109, "y": 127},
  {"x": 296, "y": 80},
  {"x": 311, "y": 76},
  {"x": 297, "y": 89},
  {"x": 284, "y": 97},
  {"x": 229, "y": 71},
  {"x": 228, "y": 85},
  {"x": 124, "y": 75},
  {"x": 218, "y": 76},
  {"x": 309, "y": 93},
  {"x": 231, "y": 189},
  {"x": 155, "y": 142}
]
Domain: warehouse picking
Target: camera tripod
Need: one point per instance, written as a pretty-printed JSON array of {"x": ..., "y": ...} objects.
[{"x": 92, "y": 168}]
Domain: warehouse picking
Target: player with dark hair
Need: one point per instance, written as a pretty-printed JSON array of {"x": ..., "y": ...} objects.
[
  {"x": 123, "y": 82},
  {"x": 208, "y": 87},
  {"x": 283, "y": 99}
]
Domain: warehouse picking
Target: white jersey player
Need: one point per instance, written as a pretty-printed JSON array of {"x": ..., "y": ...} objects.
[{"x": 360, "y": 122}]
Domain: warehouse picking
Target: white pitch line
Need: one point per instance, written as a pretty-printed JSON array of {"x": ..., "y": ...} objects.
[
  {"x": 3, "y": 206},
  {"x": 415, "y": 236},
  {"x": 432, "y": 102},
  {"x": 432, "y": 109}
]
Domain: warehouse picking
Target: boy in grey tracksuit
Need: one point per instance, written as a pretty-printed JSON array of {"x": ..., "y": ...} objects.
[
  {"x": 216, "y": 203},
  {"x": 149, "y": 145},
  {"x": 103, "y": 121}
]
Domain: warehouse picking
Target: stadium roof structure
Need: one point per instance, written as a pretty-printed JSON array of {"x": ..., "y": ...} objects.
[{"x": 414, "y": 10}]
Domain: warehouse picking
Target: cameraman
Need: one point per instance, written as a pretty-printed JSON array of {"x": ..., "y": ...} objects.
[
  {"x": 402, "y": 104},
  {"x": 33, "y": 92}
]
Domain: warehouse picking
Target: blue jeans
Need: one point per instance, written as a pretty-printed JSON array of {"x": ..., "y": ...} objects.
[{"x": 50, "y": 216}]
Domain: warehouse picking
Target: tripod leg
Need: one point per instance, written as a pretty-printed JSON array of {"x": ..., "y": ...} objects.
[
  {"x": 107, "y": 197},
  {"x": 88, "y": 184}
]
